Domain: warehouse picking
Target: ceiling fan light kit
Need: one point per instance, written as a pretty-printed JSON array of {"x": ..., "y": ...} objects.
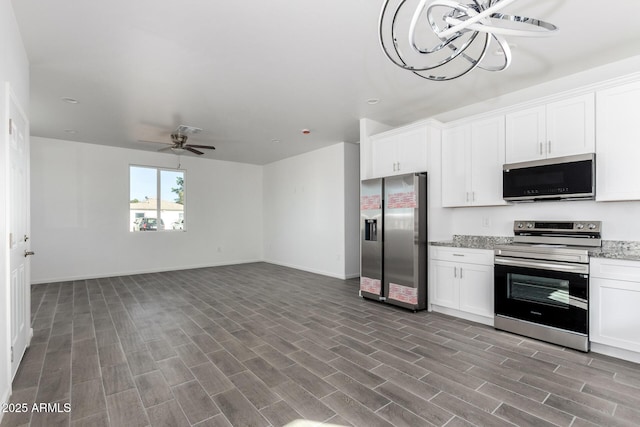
[{"x": 443, "y": 39}]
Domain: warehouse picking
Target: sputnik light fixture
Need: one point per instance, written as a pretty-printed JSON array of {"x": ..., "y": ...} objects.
[{"x": 444, "y": 39}]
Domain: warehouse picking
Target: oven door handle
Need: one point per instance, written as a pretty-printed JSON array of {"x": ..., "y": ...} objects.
[{"x": 543, "y": 265}]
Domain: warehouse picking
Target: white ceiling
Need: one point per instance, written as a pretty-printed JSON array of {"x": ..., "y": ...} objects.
[{"x": 250, "y": 72}]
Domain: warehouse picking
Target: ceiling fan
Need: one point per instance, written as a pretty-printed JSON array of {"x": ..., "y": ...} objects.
[{"x": 179, "y": 139}]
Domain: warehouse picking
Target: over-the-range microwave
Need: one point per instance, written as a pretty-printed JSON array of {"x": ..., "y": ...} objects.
[{"x": 560, "y": 178}]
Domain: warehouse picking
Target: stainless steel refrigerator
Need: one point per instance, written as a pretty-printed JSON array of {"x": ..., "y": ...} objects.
[{"x": 393, "y": 228}]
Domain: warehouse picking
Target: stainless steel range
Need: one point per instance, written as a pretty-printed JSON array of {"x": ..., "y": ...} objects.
[{"x": 542, "y": 281}]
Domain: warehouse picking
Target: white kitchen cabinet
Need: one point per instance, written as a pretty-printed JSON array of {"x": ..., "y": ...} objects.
[
  {"x": 456, "y": 164},
  {"x": 472, "y": 159},
  {"x": 399, "y": 151},
  {"x": 476, "y": 289},
  {"x": 525, "y": 135},
  {"x": 614, "y": 299},
  {"x": 445, "y": 289},
  {"x": 461, "y": 283},
  {"x": 618, "y": 148},
  {"x": 557, "y": 129}
]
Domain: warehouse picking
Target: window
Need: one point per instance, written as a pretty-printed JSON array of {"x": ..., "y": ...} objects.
[{"x": 156, "y": 199}]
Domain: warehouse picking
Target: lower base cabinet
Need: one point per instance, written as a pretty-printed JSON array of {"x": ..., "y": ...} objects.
[
  {"x": 614, "y": 302},
  {"x": 461, "y": 283}
]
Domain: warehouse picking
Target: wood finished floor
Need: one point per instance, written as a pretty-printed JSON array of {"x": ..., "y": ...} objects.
[{"x": 260, "y": 345}]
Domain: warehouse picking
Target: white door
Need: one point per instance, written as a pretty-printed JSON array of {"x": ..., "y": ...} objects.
[
  {"x": 618, "y": 151},
  {"x": 412, "y": 150},
  {"x": 487, "y": 158},
  {"x": 444, "y": 281},
  {"x": 571, "y": 126},
  {"x": 476, "y": 289},
  {"x": 526, "y": 135},
  {"x": 19, "y": 272},
  {"x": 384, "y": 155},
  {"x": 455, "y": 166}
]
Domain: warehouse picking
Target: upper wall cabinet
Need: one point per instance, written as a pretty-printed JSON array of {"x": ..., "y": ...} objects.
[
  {"x": 558, "y": 129},
  {"x": 618, "y": 150},
  {"x": 400, "y": 151},
  {"x": 472, "y": 159}
]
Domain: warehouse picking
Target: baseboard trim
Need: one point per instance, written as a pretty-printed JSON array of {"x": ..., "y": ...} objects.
[
  {"x": 5, "y": 400},
  {"x": 310, "y": 270},
  {"x": 143, "y": 271},
  {"x": 618, "y": 353}
]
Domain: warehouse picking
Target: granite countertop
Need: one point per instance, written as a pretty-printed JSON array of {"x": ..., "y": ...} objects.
[
  {"x": 617, "y": 249},
  {"x": 612, "y": 249},
  {"x": 474, "y": 242}
]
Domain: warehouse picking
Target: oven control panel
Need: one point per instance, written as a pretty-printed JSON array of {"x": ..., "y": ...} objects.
[{"x": 559, "y": 227}]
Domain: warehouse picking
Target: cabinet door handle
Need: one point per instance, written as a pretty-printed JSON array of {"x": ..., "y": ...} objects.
[
  {"x": 541, "y": 148},
  {"x": 549, "y": 147},
  {"x": 461, "y": 272},
  {"x": 473, "y": 196},
  {"x": 398, "y": 166},
  {"x": 467, "y": 197},
  {"x": 455, "y": 273}
]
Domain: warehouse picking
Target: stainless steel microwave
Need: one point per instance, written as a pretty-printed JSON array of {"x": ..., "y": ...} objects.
[{"x": 560, "y": 178}]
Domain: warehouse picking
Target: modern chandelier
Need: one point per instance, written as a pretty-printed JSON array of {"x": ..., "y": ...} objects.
[{"x": 444, "y": 39}]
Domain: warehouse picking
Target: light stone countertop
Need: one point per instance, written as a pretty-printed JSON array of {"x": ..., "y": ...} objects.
[
  {"x": 474, "y": 242},
  {"x": 617, "y": 249},
  {"x": 612, "y": 249}
]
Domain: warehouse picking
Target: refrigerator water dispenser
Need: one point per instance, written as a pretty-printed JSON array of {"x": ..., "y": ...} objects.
[{"x": 371, "y": 229}]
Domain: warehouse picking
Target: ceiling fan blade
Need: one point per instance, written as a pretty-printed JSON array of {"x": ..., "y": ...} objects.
[
  {"x": 211, "y": 147},
  {"x": 193, "y": 150}
]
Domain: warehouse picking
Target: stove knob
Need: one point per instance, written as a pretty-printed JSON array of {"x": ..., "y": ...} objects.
[
  {"x": 520, "y": 225},
  {"x": 592, "y": 226},
  {"x": 529, "y": 225},
  {"x": 579, "y": 226}
]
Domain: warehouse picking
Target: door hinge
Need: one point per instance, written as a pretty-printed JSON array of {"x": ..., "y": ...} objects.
[{"x": 10, "y": 127}]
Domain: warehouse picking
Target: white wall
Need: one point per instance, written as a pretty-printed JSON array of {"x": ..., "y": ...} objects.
[
  {"x": 352, "y": 210},
  {"x": 619, "y": 219},
  {"x": 14, "y": 68},
  {"x": 304, "y": 211},
  {"x": 80, "y": 213},
  {"x": 438, "y": 219}
]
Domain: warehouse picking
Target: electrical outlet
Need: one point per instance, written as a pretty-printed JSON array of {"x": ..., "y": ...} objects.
[{"x": 486, "y": 222}]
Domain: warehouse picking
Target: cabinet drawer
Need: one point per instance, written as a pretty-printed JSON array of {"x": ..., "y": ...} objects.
[
  {"x": 464, "y": 255},
  {"x": 615, "y": 269}
]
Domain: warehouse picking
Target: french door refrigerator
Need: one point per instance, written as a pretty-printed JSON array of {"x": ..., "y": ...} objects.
[{"x": 393, "y": 225}]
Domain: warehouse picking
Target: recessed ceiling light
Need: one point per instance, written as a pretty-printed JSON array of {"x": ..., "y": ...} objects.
[
  {"x": 372, "y": 101},
  {"x": 71, "y": 131},
  {"x": 69, "y": 100},
  {"x": 275, "y": 140}
]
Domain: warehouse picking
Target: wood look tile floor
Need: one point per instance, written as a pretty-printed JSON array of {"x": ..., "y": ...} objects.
[{"x": 263, "y": 345}]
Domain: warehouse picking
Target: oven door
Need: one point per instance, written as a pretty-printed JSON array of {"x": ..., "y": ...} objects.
[{"x": 544, "y": 292}]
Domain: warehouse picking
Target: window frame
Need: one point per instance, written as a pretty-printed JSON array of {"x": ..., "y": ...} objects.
[{"x": 158, "y": 210}]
